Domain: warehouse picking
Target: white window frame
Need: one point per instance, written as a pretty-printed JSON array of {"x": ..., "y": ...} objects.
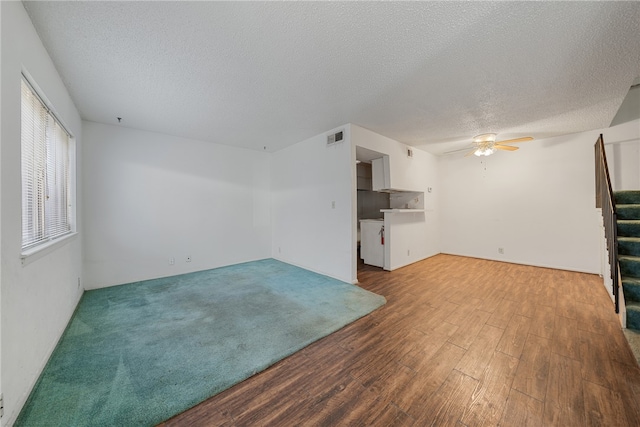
[{"x": 64, "y": 227}]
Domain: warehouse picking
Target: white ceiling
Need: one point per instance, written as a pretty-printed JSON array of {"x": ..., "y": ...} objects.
[{"x": 270, "y": 74}]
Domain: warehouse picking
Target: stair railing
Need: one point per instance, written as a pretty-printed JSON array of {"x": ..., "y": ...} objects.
[{"x": 604, "y": 201}]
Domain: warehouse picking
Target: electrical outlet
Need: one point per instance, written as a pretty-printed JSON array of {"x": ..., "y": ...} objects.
[
  {"x": 78, "y": 283},
  {"x": 279, "y": 249},
  {"x": 172, "y": 261},
  {"x": 501, "y": 251},
  {"x": 1, "y": 405},
  {"x": 188, "y": 258},
  {"x": 408, "y": 252}
]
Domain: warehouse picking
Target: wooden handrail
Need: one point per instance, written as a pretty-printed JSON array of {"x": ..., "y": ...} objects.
[{"x": 604, "y": 200}]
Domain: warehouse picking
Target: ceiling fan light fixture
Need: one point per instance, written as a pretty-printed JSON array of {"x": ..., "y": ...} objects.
[
  {"x": 485, "y": 137},
  {"x": 487, "y": 151},
  {"x": 485, "y": 144}
]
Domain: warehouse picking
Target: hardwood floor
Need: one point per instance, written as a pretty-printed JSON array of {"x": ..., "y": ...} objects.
[{"x": 460, "y": 342}]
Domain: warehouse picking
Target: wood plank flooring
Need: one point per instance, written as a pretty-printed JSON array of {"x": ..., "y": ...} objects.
[{"x": 460, "y": 342}]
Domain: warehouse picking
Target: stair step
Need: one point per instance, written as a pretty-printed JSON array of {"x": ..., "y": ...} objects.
[
  {"x": 626, "y": 197},
  {"x": 633, "y": 314},
  {"x": 631, "y": 289},
  {"x": 628, "y": 211},
  {"x": 629, "y": 246},
  {"x": 629, "y": 266},
  {"x": 629, "y": 228}
]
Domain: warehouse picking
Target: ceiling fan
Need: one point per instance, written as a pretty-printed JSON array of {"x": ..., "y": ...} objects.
[{"x": 486, "y": 144}]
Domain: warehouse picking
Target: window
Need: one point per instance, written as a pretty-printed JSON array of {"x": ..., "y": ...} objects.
[{"x": 46, "y": 160}]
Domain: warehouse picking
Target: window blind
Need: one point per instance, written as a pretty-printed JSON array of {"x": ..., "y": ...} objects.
[{"x": 45, "y": 173}]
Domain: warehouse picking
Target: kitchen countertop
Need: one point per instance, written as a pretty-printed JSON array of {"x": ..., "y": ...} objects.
[{"x": 397, "y": 210}]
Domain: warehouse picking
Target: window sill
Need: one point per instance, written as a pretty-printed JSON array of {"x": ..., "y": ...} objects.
[{"x": 32, "y": 254}]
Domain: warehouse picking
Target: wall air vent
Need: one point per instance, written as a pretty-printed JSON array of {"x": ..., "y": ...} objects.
[{"x": 335, "y": 138}]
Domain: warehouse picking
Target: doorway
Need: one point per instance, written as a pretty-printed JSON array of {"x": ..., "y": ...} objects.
[{"x": 368, "y": 202}]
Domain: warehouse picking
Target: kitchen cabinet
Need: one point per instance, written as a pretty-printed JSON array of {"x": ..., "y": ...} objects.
[
  {"x": 381, "y": 173},
  {"x": 398, "y": 172}
]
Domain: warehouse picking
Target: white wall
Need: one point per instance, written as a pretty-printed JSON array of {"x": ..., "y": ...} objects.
[
  {"x": 39, "y": 297},
  {"x": 149, "y": 197},
  {"x": 622, "y": 146},
  {"x": 309, "y": 230},
  {"x": 538, "y": 203},
  {"x": 415, "y": 236}
]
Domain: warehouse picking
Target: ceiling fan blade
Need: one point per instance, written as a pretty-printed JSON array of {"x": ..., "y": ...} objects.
[
  {"x": 513, "y": 141},
  {"x": 505, "y": 147},
  {"x": 470, "y": 152}
]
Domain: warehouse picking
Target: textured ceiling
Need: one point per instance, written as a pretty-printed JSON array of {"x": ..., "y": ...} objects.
[{"x": 428, "y": 74}]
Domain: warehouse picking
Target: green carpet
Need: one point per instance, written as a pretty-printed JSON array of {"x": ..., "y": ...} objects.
[
  {"x": 140, "y": 353},
  {"x": 628, "y": 209}
]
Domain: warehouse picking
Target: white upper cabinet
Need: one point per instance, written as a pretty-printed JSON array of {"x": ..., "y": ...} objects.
[{"x": 381, "y": 177}]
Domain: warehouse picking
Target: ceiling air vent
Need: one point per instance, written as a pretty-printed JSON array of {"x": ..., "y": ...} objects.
[{"x": 335, "y": 138}]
